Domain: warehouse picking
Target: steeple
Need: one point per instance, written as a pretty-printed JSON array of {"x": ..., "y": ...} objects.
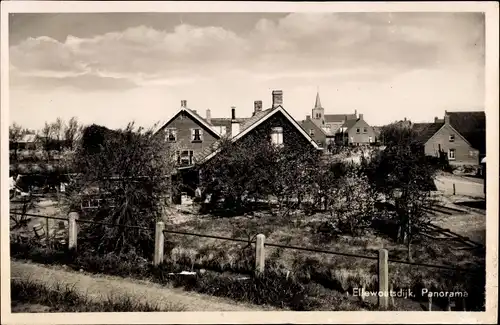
[{"x": 318, "y": 101}]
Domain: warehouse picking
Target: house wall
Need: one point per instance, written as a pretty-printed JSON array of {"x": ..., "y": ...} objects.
[
  {"x": 464, "y": 153},
  {"x": 361, "y": 137},
  {"x": 292, "y": 138},
  {"x": 183, "y": 123}
]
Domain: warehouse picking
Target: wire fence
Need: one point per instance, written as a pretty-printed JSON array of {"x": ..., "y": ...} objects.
[{"x": 253, "y": 241}]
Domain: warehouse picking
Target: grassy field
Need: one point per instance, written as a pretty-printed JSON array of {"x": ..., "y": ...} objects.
[{"x": 338, "y": 273}]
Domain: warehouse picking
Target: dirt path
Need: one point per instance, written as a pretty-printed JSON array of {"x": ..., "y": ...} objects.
[{"x": 97, "y": 287}]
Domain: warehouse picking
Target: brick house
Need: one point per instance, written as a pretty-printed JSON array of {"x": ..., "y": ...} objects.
[
  {"x": 462, "y": 135},
  {"x": 356, "y": 132},
  {"x": 189, "y": 133},
  {"x": 275, "y": 123}
]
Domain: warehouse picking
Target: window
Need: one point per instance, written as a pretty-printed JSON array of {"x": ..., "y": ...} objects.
[
  {"x": 221, "y": 129},
  {"x": 451, "y": 154},
  {"x": 311, "y": 132},
  {"x": 185, "y": 157},
  {"x": 365, "y": 130},
  {"x": 472, "y": 153},
  {"x": 171, "y": 135},
  {"x": 196, "y": 135},
  {"x": 452, "y": 138},
  {"x": 277, "y": 136},
  {"x": 370, "y": 139},
  {"x": 357, "y": 130}
]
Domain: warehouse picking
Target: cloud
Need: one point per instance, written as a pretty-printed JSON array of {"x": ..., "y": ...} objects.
[{"x": 298, "y": 44}]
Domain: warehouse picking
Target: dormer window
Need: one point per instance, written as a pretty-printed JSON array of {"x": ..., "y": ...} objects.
[
  {"x": 171, "y": 135},
  {"x": 452, "y": 138},
  {"x": 277, "y": 136},
  {"x": 311, "y": 132}
]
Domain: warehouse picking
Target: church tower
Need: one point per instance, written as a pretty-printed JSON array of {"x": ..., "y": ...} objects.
[{"x": 318, "y": 112}]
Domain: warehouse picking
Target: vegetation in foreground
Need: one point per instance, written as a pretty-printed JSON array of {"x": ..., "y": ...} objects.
[{"x": 26, "y": 293}]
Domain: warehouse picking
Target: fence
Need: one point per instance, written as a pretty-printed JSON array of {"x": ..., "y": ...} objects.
[{"x": 260, "y": 256}]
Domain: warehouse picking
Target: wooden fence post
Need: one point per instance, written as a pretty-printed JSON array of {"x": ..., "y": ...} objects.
[
  {"x": 73, "y": 230},
  {"x": 383, "y": 278},
  {"x": 260, "y": 256},
  {"x": 454, "y": 189},
  {"x": 47, "y": 237},
  {"x": 159, "y": 243},
  {"x": 430, "y": 302}
]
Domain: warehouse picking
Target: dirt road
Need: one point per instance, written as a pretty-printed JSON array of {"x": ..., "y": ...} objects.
[
  {"x": 466, "y": 186},
  {"x": 100, "y": 287}
]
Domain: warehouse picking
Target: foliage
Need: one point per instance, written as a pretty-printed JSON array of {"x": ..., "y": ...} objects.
[
  {"x": 243, "y": 173},
  {"x": 404, "y": 174},
  {"x": 132, "y": 168}
]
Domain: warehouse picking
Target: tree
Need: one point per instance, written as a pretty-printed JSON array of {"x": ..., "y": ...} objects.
[
  {"x": 130, "y": 171},
  {"x": 252, "y": 170},
  {"x": 16, "y": 133},
  {"x": 404, "y": 174},
  {"x": 71, "y": 131}
]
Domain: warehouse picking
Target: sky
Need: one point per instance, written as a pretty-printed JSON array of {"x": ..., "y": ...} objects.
[{"x": 113, "y": 68}]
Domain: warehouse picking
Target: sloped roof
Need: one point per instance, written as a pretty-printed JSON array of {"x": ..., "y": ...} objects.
[
  {"x": 339, "y": 117},
  {"x": 426, "y": 130},
  {"x": 195, "y": 116},
  {"x": 317, "y": 104},
  {"x": 254, "y": 119},
  {"x": 472, "y": 126},
  {"x": 350, "y": 123},
  {"x": 246, "y": 127}
]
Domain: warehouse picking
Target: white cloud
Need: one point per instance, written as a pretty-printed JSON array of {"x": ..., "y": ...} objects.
[{"x": 299, "y": 41}]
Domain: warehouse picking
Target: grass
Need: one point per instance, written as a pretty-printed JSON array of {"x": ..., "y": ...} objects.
[
  {"x": 332, "y": 272},
  {"x": 27, "y": 295}
]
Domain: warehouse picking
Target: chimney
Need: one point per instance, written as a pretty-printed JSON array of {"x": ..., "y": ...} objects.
[
  {"x": 235, "y": 126},
  {"x": 194, "y": 110},
  {"x": 277, "y": 98},
  {"x": 360, "y": 116},
  {"x": 257, "y": 106},
  {"x": 436, "y": 119},
  {"x": 183, "y": 103},
  {"x": 446, "y": 118},
  {"x": 308, "y": 117},
  {"x": 209, "y": 116},
  {"x": 356, "y": 113}
]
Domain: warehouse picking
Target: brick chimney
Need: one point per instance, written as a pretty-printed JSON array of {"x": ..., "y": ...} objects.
[
  {"x": 436, "y": 119},
  {"x": 235, "y": 126},
  {"x": 183, "y": 103},
  {"x": 277, "y": 98},
  {"x": 308, "y": 117},
  {"x": 257, "y": 106},
  {"x": 360, "y": 116},
  {"x": 446, "y": 118},
  {"x": 356, "y": 113},
  {"x": 208, "y": 116}
]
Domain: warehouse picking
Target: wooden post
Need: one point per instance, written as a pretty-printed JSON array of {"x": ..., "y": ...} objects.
[
  {"x": 454, "y": 189},
  {"x": 430, "y": 302},
  {"x": 393, "y": 304},
  {"x": 260, "y": 254},
  {"x": 73, "y": 230},
  {"x": 383, "y": 278},
  {"x": 448, "y": 307},
  {"x": 159, "y": 243},
  {"x": 47, "y": 239}
]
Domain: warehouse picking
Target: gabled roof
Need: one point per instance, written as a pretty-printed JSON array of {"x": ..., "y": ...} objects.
[
  {"x": 339, "y": 117},
  {"x": 195, "y": 117},
  {"x": 472, "y": 126},
  {"x": 350, "y": 123},
  {"x": 316, "y": 126},
  {"x": 247, "y": 127},
  {"x": 425, "y": 131}
]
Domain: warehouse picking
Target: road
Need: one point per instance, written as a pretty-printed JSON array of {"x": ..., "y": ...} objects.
[
  {"x": 100, "y": 287},
  {"x": 463, "y": 186}
]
